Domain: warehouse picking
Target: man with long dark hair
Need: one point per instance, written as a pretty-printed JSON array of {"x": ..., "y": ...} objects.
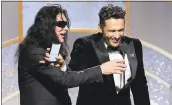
[
  {"x": 109, "y": 44},
  {"x": 42, "y": 83}
]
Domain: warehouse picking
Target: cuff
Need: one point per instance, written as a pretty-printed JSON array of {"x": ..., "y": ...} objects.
[{"x": 64, "y": 68}]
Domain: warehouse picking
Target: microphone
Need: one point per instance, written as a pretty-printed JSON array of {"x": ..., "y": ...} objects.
[{"x": 122, "y": 49}]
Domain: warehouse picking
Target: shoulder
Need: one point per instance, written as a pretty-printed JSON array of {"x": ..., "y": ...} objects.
[
  {"x": 35, "y": 49},
  {"x": 129, "y": 39},
  {"x": 137, "y": 45},
  {"x": 31, "y": 55}
]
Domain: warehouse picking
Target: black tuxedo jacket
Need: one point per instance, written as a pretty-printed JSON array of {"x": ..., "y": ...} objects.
[
  {"x": 41, "y": 84},
  {"x": 90, "y": 51}
]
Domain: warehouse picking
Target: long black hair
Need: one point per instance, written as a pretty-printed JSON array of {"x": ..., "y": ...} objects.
[{"x": 42, "y": 32}]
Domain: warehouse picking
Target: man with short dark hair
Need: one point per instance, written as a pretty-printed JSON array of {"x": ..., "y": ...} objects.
[{"x": 111, "y": 44}]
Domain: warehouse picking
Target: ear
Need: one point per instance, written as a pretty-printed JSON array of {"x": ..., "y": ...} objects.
[{"x": 99, "y": 28}]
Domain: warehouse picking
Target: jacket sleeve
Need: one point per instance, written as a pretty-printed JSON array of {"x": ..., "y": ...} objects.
[
  {"x": 50, "y": 75},
  {"x": 139, "y": 85}
]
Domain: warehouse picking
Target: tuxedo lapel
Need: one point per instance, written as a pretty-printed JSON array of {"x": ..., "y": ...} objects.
[
  {"x": 101, "y": 52},
  {"x": 132, "y": 59},
  {"x": 130, "y": 51}
]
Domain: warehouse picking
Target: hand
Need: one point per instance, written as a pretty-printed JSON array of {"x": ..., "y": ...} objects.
[
  {"x": 59, "y": 59},
  {"x": 113, "y": 67}
]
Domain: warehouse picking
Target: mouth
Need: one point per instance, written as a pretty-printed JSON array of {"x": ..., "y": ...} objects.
[
  {"x": 115, "y": 40},
  {"x": 62, "y": 35}
]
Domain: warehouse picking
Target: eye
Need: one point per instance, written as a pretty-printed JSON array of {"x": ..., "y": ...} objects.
[
  {"x": 121, "y": 30},
  {"x": 112, "y": 30},
  {"x": 61, "y": 24}
]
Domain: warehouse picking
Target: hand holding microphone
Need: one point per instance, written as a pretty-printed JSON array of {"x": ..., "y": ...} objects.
[{"x": 116, "y": 66}]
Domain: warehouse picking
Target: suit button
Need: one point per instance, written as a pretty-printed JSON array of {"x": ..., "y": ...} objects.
[{"x": 69, "y": 101}]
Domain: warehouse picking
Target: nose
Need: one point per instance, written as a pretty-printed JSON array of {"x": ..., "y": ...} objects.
[
  {"x": 66, "y": 28},
  {"x": 117, "y": 35}
]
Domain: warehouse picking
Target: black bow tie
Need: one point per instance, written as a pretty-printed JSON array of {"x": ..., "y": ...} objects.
[{"x": 111, "y": 49}]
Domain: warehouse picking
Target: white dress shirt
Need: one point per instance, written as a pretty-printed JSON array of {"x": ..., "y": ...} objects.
[
  {"x": 117, "y": 78},
  {"x": 64, "y": 68}
]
